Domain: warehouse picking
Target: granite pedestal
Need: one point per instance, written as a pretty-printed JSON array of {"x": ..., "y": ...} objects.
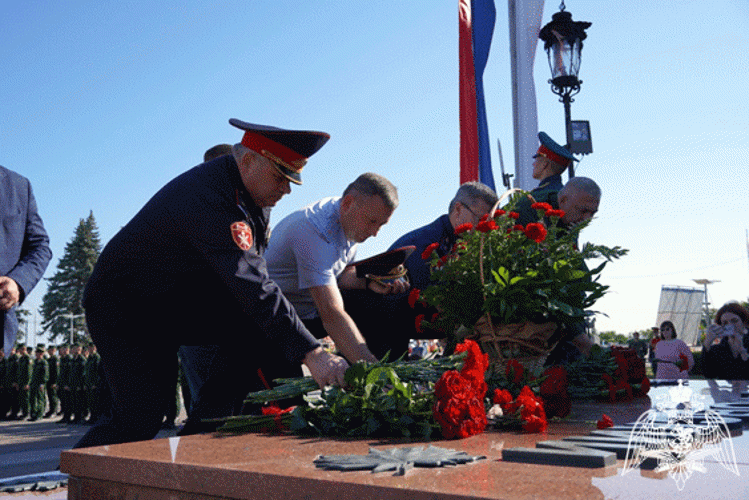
[{"x": 255, "y": 466}]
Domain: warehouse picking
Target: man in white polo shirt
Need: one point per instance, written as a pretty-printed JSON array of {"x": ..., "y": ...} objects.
[{"x": 310, "y": 251}]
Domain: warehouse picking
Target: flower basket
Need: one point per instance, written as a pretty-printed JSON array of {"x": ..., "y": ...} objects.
[
  {"x": 510, "y": 287},
  {"x": 529, "y": 343}
]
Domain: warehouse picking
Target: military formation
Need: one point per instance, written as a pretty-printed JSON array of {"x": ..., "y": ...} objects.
[{"x": 49, "y": 385}]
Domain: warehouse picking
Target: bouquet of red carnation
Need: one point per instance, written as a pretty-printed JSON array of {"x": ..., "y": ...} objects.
[
  {"x": 525, "y": 412},
  {"x": 615, "y": 374},
  {"x": 459, "y": 396}
]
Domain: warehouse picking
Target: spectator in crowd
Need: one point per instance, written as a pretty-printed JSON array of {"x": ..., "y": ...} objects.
[{"x": 673, "y": 355}]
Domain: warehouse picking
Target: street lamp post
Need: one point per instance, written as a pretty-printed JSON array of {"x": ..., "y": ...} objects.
[
  {"x": 72, "y": 317},
  {"x": 563, "y": 42},
  {"x": 706, "y": 282}
]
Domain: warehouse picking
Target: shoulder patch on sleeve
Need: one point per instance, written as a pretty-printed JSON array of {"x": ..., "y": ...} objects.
[{"x": 242, "y": 235}]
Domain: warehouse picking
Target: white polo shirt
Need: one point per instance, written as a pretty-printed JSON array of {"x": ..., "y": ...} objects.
[{"x": 308, "y": 248}]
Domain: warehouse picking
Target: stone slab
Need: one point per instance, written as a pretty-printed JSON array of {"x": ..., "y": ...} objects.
[{"x": 257, "y": 466}]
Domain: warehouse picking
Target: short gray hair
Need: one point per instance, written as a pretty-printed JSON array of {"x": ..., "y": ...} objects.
[
  {"x": 583, "y": 185},
  {"x": 370, "y": 184},
  {"x": 469, "y": 192}
]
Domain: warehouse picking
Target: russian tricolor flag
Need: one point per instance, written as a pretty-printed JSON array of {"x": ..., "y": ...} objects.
[{"x": 476, "y": 25}]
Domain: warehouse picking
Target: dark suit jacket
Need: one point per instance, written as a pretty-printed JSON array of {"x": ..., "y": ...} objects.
[{"x": 24, "y": 244}]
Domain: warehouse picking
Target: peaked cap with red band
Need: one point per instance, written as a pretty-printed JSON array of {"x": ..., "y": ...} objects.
[
  {"x": 287, "y": 149},
  {"x": 553, "y": 151}
]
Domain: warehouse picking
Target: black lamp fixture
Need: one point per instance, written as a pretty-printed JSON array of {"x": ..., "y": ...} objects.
[{"x": 563, "y": 42}]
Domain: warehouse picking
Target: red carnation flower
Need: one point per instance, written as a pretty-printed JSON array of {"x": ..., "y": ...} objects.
[
  {"x": 683, "y": 362},
  {"x": 535, "y": 231},
  {"x": 514, "y": 371},
  {"x": 502, "y": 397},
  {"x": 418, "y": 321},
  {"x": 555, "y": 381},
  {"x": 463, "y": 228},
  {"x": 541, "y": 205},
  {"x": 555, "y": 213},
  {"x": 535, "y": 424},
  {"x": 605, "y": 422},
  {"x": 513, "y": 215},
  {"x": 427, "y": 253},
  {"x": 413, "y": 297},
  {"x": 498, "y": 213},
  {"x": 486, "y": 226}
]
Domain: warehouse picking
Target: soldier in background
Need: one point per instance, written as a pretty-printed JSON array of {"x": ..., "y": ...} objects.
[
  {"x": 63, "y": 382},
  {"x": 550, "y": 161},
  {"x": 93, "y": 384},
  {"x": 54, "y": 372},
  {"x": 37, "y": 385},
  {"x": 78, "y": 384},
  {"x": 23, "y": 379}
]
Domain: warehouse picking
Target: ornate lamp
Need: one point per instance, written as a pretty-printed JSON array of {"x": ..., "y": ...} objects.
[{"x": 563, "y": 42}]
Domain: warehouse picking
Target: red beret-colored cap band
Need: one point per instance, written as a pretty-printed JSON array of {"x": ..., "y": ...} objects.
[
  {"x": 274, "y": 151},
  {"x": 551, "y": 155}
]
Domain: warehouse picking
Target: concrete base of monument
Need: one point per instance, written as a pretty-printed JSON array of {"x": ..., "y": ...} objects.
[{"x": 255, "y": 466}]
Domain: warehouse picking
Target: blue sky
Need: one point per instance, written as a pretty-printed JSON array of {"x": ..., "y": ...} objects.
[{"x": 105, "y": 102}]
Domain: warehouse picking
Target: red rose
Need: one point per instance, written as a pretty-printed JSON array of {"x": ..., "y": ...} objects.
[
  {"x": 413, "y": 297},
  {"x": 427, "y": 253},
  {"x": 535, "y": 231},
  {"x": 540, "y": 205},
  {"x": 514, "y": 371},
  {"x": 463, "y": 228},
  {"x": 417, "y": 323},
  {"x": 605, "y": 422}
]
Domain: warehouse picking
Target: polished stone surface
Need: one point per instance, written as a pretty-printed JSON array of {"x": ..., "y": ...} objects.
[{"x": 264, "y": 466}]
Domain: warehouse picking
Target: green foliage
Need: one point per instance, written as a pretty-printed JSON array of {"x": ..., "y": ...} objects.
[
  {"x": 500, "y": 269},
  {"x": 376, "y": 402},
  {"x": 65, "y": 287},
  {"x": 613, "y": 338}
]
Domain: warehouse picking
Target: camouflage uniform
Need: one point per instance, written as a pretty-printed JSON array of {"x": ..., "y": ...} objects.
[{"x": 37, "y": 386}]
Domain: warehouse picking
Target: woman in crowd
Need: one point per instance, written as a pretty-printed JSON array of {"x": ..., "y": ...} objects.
[
  {"x": 673, "y": 355},
  {"x": 725, "y": 352}
]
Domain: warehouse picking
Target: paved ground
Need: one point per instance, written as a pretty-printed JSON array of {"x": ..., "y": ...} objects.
[{"x": 34, "y": 447}]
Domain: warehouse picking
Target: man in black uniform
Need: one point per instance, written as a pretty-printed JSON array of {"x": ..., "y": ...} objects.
[{"x": 193, "y": 256}]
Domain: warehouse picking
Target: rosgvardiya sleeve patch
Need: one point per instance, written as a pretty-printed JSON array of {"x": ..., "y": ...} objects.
[{"x": 242, "y": 235}]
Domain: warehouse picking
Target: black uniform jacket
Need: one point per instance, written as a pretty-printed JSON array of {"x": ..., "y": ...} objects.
[{"x": 177, "y": 272}]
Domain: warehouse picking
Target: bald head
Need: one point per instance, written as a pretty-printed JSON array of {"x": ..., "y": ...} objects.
[{"x": 579, "y": 199}]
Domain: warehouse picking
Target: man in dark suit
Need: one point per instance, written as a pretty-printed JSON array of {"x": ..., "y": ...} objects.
[{"x": 24, "y": 252}]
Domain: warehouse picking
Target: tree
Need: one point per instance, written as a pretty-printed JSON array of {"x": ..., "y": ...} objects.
[
  {"x": 65, "y": 288},
  {"x": 23, "y": 321}
]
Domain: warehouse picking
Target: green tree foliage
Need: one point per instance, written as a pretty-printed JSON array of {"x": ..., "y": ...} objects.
[
  {"x": 23, "y": 320},
  {"x": 611, "y": 337},
  {"x": 65, "y": 288}
]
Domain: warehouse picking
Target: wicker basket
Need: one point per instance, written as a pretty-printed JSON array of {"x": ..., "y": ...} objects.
[{"x": 529, "y": 343}]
